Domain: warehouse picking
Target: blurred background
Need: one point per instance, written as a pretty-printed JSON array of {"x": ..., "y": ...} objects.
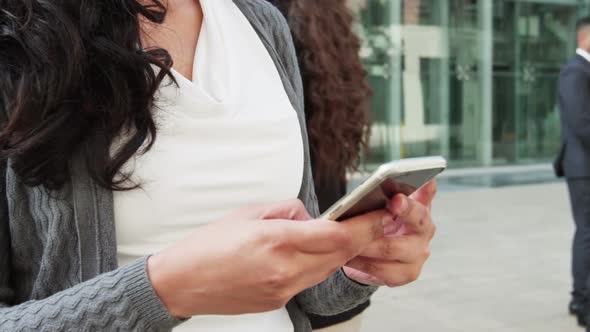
[{"x": 475, "y": 81}]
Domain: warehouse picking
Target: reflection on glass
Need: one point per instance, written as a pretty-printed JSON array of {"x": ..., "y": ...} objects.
[
  {"x": 532, "y": 41},
  {"x": 454, "y": 77}
]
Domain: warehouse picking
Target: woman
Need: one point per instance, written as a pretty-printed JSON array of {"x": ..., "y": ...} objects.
[
  {"x": 337, "y": 97},
  {"x": 130, "y": 130}
]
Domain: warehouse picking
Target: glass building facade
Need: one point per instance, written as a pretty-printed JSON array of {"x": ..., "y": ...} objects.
[{"x": 472, "y": 80}]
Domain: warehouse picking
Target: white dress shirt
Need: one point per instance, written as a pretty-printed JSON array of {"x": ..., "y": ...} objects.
[{"x": 583, "y": 53}]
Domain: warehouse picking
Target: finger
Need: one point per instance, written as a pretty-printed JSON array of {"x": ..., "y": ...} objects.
[
  {"x": 405, "y": 249},
  {"x": 394, "y": 274},
  {"x": 431, "y": 231},
  {"x": 348, "y": 237},
  {"x": 362, "y": 277},
  {"x": 319, "y": 236},
  {"x": 415, "y": 215},
  {"x": 426, "y": 193},
  {"x": 290, "y": 210},
  {"x": 366, "y": 228}
]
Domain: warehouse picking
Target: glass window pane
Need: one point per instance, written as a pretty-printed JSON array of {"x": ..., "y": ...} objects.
[{"x": 473, "y": 80}]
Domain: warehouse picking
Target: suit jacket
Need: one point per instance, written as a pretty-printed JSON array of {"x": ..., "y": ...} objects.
[{"x": 573, "y": 160}]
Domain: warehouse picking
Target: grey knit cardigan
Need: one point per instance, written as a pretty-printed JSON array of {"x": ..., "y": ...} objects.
[{"x": 58, "y": 266}]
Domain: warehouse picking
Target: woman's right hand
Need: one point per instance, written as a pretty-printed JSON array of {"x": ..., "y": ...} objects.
[{"x": 256, "y": 259}]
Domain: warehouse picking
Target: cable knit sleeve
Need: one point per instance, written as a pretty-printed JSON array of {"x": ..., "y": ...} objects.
[
  {"x": 122, "y": 300},
  {"x": 338, "y": 293}
]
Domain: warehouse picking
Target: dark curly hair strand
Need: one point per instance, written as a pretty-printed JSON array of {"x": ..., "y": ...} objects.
[
  {"x": 73, "y": 78},
  {"x": 337, "y": 92}
]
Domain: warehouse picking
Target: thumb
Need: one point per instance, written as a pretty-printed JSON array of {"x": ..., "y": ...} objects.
[
  {"x": 288, "y": 210},
  {"x": 367, "y": 228},
  {"x": 425, "y": 194},
  {"x": 291, "y": 210}
]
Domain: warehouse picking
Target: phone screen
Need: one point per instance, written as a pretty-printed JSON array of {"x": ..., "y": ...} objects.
[{"x": 399, "y": 184}]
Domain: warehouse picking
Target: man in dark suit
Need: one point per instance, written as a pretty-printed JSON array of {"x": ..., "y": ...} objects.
[{"x": 573, "y": 162}]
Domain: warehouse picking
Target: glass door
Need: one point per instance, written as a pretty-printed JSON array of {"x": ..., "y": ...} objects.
[
  {"x": 532, "y": 40},
  {"x": 425, "y": 63},
  {"x": 472, "y": 80}
]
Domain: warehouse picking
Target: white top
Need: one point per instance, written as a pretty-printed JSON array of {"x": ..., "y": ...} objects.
[
  {"x": 228, "y": 139},
  {"x": 583, "y": 54}
]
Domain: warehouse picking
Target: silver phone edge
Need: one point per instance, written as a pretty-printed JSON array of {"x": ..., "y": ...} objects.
[
  {"x": 350, "y": 199},
  {"x": 390, "y": 169}
]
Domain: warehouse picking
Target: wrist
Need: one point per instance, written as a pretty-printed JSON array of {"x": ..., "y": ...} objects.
[{"x": 163, "y": 285}]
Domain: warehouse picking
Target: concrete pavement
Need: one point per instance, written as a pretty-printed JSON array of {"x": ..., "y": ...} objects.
[{"x": 500, "y": 262}]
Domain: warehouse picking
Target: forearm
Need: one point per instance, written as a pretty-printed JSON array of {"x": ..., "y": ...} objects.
[
  {"x": 335, "y": 295},
  {"x": 119, "y": 300}
]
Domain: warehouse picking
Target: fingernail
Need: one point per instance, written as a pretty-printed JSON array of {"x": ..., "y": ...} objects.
[{"x": 388, "y": 219}]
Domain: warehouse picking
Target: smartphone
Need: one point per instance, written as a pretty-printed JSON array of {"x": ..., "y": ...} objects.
[{"x": 402, "y": 176}]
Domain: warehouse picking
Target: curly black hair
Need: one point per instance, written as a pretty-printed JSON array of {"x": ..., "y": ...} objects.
[
  {"x": 73, "y": 79},
  {"x": 337, "y": 92}
]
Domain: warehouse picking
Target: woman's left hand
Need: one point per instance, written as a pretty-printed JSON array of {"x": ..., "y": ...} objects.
[{"x": 397, "y": 258}]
